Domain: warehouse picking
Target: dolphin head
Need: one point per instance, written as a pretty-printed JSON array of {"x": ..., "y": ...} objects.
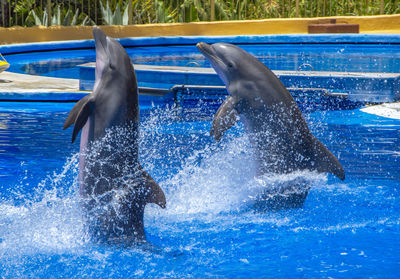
[
  {"x": 115, "y": 90},
  {"x": 111, "y": 58},
  {"x": 245, "y": 77},
  {"x": 231, "y": 62},
  {"x": 222, "y": 60}
]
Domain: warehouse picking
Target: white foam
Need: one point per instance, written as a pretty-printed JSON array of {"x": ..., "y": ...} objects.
[
  {"x": 391, "y": 110},
  {"x": 224, "y": 181},
  {"x": 214, "y": 185}
]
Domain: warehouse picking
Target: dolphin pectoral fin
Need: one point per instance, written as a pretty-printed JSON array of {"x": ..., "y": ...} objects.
[
  {"x": 326, "y": 161},
  {"x": 225, "y": 118},
  {"x": 85, "y": 110},
  {"x": 156, "y": 194},
  {"x": 74, "y": 111}
]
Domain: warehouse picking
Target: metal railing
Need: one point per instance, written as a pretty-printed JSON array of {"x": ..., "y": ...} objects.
[{"x": 122, "y": 12}]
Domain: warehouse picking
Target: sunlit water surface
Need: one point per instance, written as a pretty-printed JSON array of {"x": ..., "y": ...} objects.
[{"x": 210, "y": 228}]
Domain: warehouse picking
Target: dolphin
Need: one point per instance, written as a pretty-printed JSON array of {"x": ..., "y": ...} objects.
[
  {"x": 114, "y": 187},
  {"x": 277, "y": 130}
]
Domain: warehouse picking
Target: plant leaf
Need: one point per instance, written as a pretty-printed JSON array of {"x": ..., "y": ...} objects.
[
  {"x": 117, "y": 18},
  {"x": 125, "y": 17},
  {"x": 36, "y": 18},
  {"x": 67, "y": 19},
  {"x": 75, "y": 18}
]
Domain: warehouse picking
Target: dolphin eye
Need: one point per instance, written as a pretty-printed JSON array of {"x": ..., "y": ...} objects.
[{"x": 230, "y": 65}]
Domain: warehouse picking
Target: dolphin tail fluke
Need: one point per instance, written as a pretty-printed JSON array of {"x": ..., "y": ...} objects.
[
  {"x": 326, "y": 161},
  {"x": 79, "y": 115},
  {"x": 225, "y": 117},
  {"x": 156, "y": 194}
]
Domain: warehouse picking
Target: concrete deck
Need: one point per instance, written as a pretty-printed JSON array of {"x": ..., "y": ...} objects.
[
  {"x": 391, "y": 110},
  {"x": 22, "y": 87},
  {"x": 22, "y": 83},
  {"x": 360, "y": 87}
]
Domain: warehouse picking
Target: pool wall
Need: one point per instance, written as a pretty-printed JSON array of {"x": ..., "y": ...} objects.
[
  {"x": 365, "y": 87},
  {"x": 192, "y": 40},
  {"x": 368, "y": 24}
]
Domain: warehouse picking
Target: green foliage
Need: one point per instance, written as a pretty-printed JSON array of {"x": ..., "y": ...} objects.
[
  {"x": 23, "y": 7},
  {"x": 59, "y": 17},
  {"x": 116, "y": 12},
  {"x": 162, "y": 13},
  {"x": 146, "y": 11},
  {"x": 114, "y": 16}
]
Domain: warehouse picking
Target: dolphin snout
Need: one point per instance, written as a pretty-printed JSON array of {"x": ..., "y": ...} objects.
[
  {"x": 202, "y": 46},
  {"x": 99, "y": 35}
]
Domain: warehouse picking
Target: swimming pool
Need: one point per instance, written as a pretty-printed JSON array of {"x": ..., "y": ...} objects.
[
  {"x": 210, "y": 227},
  {"x": 375, "y": 53},
  {"x": 305, "y": 57}
]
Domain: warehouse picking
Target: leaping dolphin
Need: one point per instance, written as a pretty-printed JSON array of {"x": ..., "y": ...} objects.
[
  {"x": 113, "y": 185},
  {"x": 277, "y": 130}
]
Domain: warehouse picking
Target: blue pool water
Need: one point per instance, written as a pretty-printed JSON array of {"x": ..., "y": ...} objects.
[
  {"x": 378, "y": 58},
  {"x": 211, "y": 228},
  {"x": 348, "y": 229}
]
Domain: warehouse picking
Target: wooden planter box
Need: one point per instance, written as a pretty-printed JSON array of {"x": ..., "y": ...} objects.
[{"x": 331, "y": 26}]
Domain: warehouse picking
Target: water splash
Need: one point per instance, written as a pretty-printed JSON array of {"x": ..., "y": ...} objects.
[
  {"x": 217, "y": 178},
  {"x": 215, "y": 184},
  {"x": 49, "y": 220},
  {"x": 203, "y": 181}
]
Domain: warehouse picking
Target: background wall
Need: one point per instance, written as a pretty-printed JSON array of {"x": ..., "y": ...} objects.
[{"x": 369, "y": 24}]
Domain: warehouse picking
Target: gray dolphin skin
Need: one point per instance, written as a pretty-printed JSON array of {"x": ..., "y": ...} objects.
[
  {"x": 278, "y": 132},
  {"x": 114, "y": 187}
]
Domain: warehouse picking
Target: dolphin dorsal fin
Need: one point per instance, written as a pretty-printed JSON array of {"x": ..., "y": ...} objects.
[
  {"x": 156, "y": 194},
  {"x": 225, "y": 117},
  {"x": 325, "y": 161},
  {"x": 79, "y": 115}
]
